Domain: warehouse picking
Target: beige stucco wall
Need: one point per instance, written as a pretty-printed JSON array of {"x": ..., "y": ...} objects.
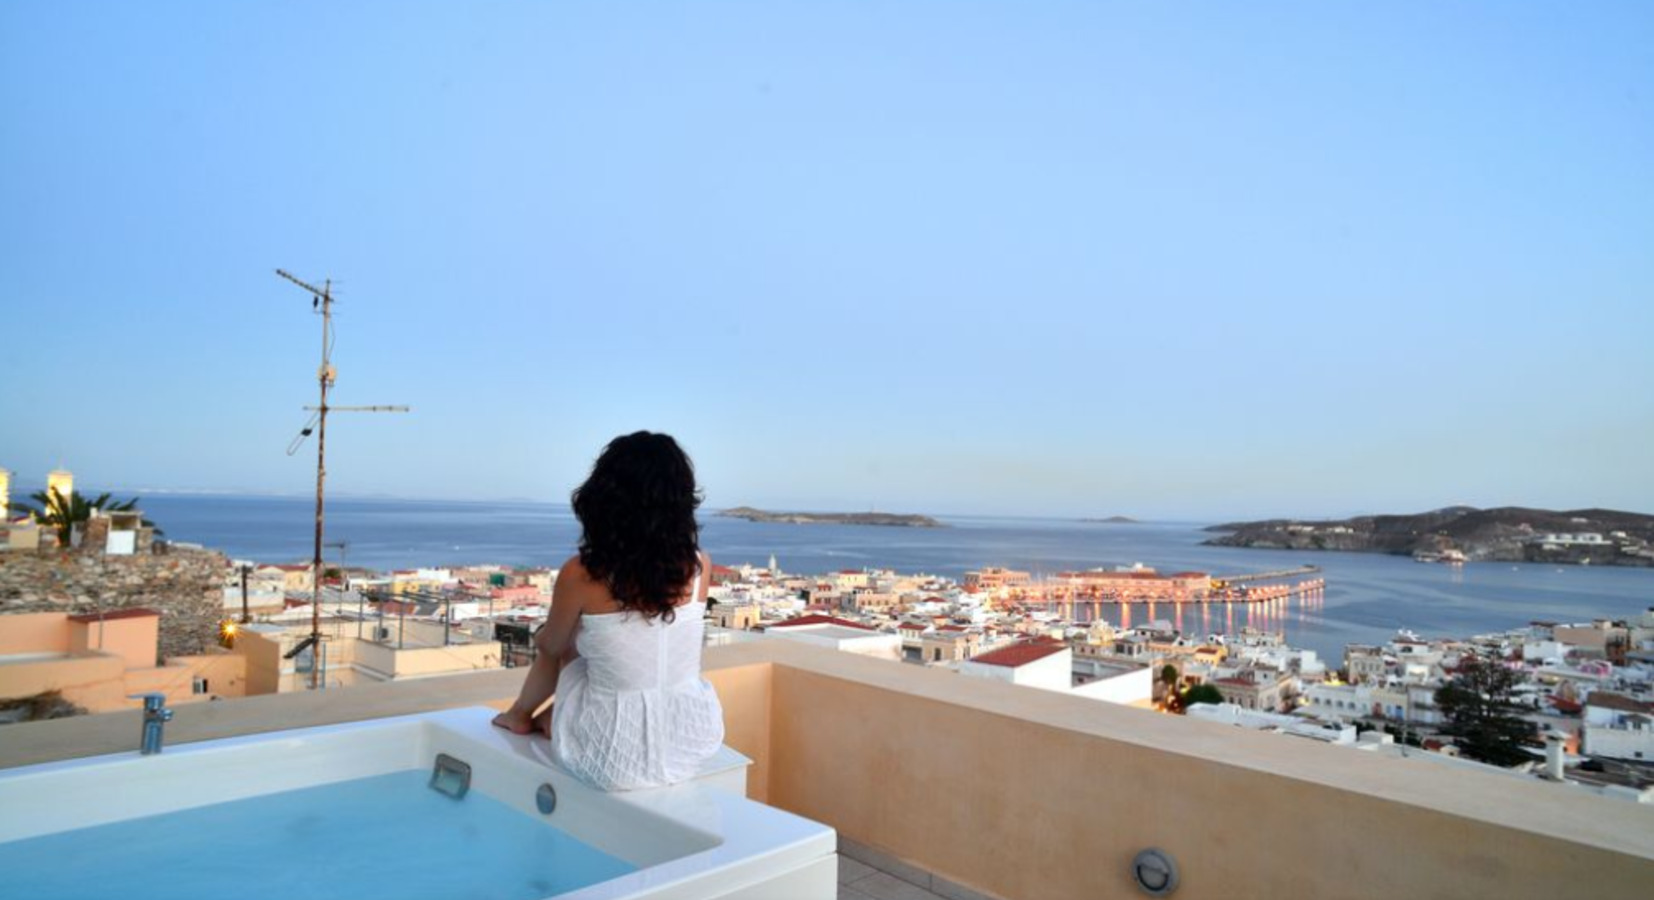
[
  {"x": 422, "y": 662},
  {"x": 1031, "y": 794},
  {"x": 262, "y": 671},
  {"x": 93, "y": 681},
  {"x": 34, "y": 633},
  {"x": 744, "y": 691},
  {"x": 226, "y": 675},
  {"x": 133, "y": 639}
]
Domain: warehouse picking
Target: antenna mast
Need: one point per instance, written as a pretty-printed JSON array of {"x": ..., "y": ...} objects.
[{"x": 322, "y": 303}]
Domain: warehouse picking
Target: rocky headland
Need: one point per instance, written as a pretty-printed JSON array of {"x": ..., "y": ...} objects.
[
  {"x": 808, "y": 518},
  {"x": 1507, "y": 534}
]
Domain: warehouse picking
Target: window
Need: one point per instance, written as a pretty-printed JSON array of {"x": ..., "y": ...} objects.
[{"x": 199, "y": 686}]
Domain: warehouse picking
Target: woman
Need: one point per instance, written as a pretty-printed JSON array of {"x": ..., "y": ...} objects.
[{"x": 622, "y": 646}]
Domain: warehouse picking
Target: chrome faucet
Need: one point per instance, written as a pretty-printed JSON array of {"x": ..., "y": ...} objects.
[{"x": 156, "y": 715}]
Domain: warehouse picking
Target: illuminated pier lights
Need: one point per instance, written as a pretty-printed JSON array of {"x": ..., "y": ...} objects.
[{"x": 1267, "y": 605}]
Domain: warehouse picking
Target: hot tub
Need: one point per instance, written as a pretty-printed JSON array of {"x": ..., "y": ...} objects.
[{"x": 350, "y": 811}]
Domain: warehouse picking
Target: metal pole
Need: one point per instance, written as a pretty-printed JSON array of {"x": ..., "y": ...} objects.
[
  {"x": 321, "y": 470},
  {"x": 245, "y": 615},
  {"x": 401, "y": 621},
  {"x": 447, "y": 618}
]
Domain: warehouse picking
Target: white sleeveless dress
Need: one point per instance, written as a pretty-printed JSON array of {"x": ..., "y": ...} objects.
[{"x": 633, "y": 710}]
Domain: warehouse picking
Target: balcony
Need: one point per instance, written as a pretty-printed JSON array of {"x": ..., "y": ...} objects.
[{"x": 966, "y": 787}]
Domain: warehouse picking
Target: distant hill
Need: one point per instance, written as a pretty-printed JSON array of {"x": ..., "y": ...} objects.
[
  {"x": 1509, "y": 533},
  {"x": 1113, "y": 520},
  {"x": 807, "y": 518}
]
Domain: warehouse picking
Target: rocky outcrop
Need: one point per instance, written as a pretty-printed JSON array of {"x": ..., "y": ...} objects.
[
  {"x": 1511, "y": 534},
  {"x": 184, "y": 585},
  {"x": 802, "y": 518}
]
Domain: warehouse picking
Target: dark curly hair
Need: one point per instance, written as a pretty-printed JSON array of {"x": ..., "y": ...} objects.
[{"x": 637, "y": 514}]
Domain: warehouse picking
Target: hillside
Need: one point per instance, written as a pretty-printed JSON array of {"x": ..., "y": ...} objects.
[{"x": 1510, "y": 533}]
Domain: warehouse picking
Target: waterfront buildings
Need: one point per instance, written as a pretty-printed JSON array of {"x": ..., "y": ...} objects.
[{"x": 994, "y": 579}]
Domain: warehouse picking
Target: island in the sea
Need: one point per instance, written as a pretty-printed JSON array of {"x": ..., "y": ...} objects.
[
  {"x": 1456, "y": 533},
  {"x": 810, "y": 518},
  {"x": 1112, "y": 520}
]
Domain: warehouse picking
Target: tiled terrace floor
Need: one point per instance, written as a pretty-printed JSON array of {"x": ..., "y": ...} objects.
[{"x": 867, "y": 874}]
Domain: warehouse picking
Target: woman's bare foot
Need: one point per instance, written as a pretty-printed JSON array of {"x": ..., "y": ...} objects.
[{"x": 515, "y": 722}]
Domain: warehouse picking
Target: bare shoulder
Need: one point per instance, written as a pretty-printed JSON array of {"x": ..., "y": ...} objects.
[
  {"x": 575, "y": 582},
  {"x": 575, "y": 570}
]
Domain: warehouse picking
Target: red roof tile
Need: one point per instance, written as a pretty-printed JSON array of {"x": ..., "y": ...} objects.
[
  {"x": 821, "y": 620},
  {"x": 1020, "y": 654},
  {"x": 1610, "y": 700}
]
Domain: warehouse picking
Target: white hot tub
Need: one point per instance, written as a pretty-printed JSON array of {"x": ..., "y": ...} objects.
[{"x": 348, "y": 811}]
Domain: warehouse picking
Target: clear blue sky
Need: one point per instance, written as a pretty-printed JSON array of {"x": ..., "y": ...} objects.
[{"x": 1168, "y": 260}]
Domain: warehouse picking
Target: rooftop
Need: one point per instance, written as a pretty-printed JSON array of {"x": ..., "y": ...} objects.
[
  {"x": 803, "y": 621},
  {"x": 976, "y": 788},
  {"x": 1020, "y": 654}
]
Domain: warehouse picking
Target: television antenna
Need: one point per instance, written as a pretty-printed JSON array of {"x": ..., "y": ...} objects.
[{"x": 321, "y": 302}]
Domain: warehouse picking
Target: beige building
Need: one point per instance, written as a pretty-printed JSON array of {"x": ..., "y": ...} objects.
[
  {"x": 98, "y": 661},
  {"x": 296, "y": 578},
  {"x": 948, "y": 644},
  {"x": 1364, "y": 664},
  {"x": 1262, "y": 689},
  {"x": 736, "y": 616},
  {"x": 866, "y": 602},
  {"x": 396, "y": 651}
]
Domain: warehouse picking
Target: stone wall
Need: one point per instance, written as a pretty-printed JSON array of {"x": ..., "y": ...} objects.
[{"x": 185, "y": 586}]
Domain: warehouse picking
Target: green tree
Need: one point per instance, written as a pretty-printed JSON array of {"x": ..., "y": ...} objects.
[
  {"x": 1480, "y": 715},
  {"x": 1168, "y": 687},
  {"x": 62, "y": 514},
  {"x": 1201, "y": 693}
]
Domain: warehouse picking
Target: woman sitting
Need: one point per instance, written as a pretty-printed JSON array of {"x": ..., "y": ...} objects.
[{"x": 622, "y": 646}]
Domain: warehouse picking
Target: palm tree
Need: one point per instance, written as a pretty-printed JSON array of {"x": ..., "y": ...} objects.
[{"x": 62, "y": 514}]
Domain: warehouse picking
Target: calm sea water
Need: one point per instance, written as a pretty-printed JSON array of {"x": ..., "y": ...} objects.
[
  {"x": 1368, "y": 596},
  {"x": 349, "y": 840}
]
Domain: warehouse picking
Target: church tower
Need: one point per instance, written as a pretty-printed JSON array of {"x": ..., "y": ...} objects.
[{"x": 60, "y": 481}]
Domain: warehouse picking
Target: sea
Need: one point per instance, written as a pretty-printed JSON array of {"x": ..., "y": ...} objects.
[{"x": 1368, "y": 597}]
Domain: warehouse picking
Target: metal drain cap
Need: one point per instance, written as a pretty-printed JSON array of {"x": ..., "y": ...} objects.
[
  {"x": 546, "y": 799},
  {"x": 1155, "y": 872}
]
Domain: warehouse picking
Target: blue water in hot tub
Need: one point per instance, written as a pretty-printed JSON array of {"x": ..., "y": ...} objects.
[{"x": 387, "y": 836}]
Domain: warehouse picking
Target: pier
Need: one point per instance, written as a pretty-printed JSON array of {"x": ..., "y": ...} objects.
[{"x": 1218, "y": 581}]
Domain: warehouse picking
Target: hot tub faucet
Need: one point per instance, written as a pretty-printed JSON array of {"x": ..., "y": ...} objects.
[{"x": 156, "y": 715}]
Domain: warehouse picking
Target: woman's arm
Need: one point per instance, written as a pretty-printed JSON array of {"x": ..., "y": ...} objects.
[{"x": 554, "y": 645}]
